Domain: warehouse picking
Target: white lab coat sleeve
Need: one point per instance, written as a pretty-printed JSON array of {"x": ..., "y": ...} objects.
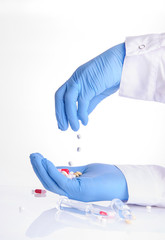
[
  {"x": 143, "y": 74},
  {"x": 146, "y": 184}
]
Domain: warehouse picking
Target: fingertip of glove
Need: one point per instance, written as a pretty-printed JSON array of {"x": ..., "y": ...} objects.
[
  {"x": 84, "y": 121},
  {"x": 83, "y": 117},
  {"x": 75, "y": 125},
  {"x": 34, "y": 156},
  {"x": 75, "y": 129},
  {"x": 62, "y": 128}
]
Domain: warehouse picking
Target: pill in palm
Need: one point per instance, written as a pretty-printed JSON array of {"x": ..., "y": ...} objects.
[
  {"x": 76, "y": 174},
  {"x": 70, "y": 174},
  {"x": 65, "y": 170},
  {"x": 64, "y": 173}
]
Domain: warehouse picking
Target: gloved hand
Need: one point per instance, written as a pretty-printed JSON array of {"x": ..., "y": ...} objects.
[
  {"x": 89, "y": 84},
  {"x": 99, "y": 182}
]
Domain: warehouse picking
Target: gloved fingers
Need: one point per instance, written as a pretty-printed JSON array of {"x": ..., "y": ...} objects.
[
  {"x": 83, "y": 111},
  {"x": 61, "y": 180},
  {"x": 33, "y": 158},
  {"x": 71, "y": 96},
  {"x": 39, "y": 176},
  {"x": 39, "y": 167},
  {"x": 60, "y": 108},
  {"x": 70, "y": 186},
  {"x": 97, "y": 99}
]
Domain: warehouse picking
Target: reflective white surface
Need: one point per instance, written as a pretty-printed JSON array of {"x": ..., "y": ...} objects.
[{"x": 24, "y": 216}]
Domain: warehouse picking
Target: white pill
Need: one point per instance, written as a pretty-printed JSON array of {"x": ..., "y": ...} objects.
[
  {"x": 72, "y": 176},
  {"x": 64, "y": 173},
  {"x": 78, "y": 149},
  {"x": 21, "y": 209},
  {"x": 148, "y": 208}
]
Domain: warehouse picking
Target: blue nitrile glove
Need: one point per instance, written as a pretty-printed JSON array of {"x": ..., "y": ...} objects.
[
  {"x": 89, "y": 84},
  {"x": 99, "y": 182}
]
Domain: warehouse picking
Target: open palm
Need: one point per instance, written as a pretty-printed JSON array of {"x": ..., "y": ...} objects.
[{"x": 99, "y": 182}]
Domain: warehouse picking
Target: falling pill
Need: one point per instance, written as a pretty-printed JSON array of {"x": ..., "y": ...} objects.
[
  {"x": 70, "y": 163},
  {"x": 78, "y": 149},
  {"x": 78, "y": 136}
]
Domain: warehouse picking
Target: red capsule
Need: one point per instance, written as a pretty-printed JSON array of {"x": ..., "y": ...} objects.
[
  {"x": 40, "y": 191},
  {"x": 65, "y": 170},
  {"x": 103, "y": 213}
]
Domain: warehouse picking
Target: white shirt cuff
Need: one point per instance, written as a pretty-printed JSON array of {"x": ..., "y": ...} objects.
[
  {"x": 146, "y": 184},
  {"x": 143, "y": 75}
]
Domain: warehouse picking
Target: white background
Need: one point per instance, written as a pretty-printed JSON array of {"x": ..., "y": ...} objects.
[{"x": 41, "y": 45}]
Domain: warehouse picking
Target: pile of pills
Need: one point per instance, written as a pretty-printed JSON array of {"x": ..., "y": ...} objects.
[{"x": 71, "y": 174}]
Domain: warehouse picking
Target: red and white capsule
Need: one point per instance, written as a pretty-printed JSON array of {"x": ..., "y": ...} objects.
[{"x": 39, "y": 191}]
